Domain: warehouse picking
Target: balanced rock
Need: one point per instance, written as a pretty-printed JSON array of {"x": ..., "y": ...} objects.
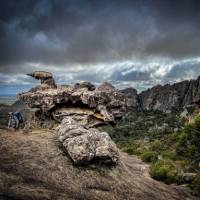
[{"x": 46, "y": 78}]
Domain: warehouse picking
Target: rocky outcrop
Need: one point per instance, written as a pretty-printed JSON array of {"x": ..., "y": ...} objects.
[
  {"x": 46, "y": 78},
  {"x": 131, "y": 98},
  {"x": 85, "y": 145},
  {"x": 78, "y": 109},
  {"x": 165, "y": 98},
  {"x": 170, "y": 97},
  {"x": 105, "y": 103},
  {"x": 33, "y": 167}
]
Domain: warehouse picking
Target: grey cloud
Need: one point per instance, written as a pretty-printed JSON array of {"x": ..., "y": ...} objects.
[
  {"x": 121, "y": 76},
  {"x": 186, "y": 70},
  {"x": 92, "y": 77},
  {"x": 130, "y": 76},
  {"x": 61, "y": 32}
]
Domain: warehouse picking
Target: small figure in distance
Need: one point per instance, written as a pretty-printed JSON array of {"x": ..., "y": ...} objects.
[{"x": 15, "y": 120}]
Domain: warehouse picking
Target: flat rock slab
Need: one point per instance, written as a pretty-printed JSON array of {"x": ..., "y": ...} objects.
[{"x": 33, "y": 167}]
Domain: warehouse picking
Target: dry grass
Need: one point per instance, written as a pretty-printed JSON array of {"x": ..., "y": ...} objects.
[{"x": 32, "y": 166}]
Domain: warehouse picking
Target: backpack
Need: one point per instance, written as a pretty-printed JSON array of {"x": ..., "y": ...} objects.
[{"x": 19, "y": 117}]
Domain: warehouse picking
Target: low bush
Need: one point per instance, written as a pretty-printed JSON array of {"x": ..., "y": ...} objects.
[
  {"x": 139, "y": 151},
  {"x": 129, "y": 150},
  {"x": 168, "y": 154},
  {"x": 164, "y": 171},
  {"x": 189, "y": 144},
  {"x": 156, "y": 146},
  {"x": 195, "y": 186},
  {"x": 149, "y": 156}
]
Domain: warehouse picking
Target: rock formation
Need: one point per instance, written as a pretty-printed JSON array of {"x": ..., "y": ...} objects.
[
  {"x": 131, "y": 98},
  {"x": 165, "y": 98},
  {"x": 86, "y": 144},
  {"x": 79, "y": 109},
  {"x": 46, "y": 78}
]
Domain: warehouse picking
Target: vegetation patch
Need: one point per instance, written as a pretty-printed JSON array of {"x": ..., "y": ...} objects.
[
  {"x": 169, "y": 143},
  {"x": 149, "y": 156},
  {"x": 165, "y": 171},
  {"x": 196, "y": 185}
]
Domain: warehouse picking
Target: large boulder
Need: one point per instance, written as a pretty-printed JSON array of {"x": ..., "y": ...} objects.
[{"x": 85, "y": 145}]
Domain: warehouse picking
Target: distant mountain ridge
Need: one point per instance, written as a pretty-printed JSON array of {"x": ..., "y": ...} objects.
[
  {"x": 7, "y": 99},
  {"x": 164, "y": 98}
]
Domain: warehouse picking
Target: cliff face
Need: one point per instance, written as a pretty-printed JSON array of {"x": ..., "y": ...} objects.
[
  {"x": 132, "y": 98},
  {"x": 165, "y": 98}
]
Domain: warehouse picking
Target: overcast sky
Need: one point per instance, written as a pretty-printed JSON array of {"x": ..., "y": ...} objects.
[{"x": 138, "y": 43}]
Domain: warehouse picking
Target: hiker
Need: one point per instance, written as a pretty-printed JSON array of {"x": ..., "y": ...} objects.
[{"x": 15, "y": 120}]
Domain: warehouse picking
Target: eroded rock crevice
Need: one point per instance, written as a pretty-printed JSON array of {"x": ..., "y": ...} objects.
[{"x": 79, "y": 109}]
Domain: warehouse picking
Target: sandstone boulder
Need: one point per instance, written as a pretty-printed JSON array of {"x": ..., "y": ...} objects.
[
  {"x": 46, "y": 78},
  {"x": 85, "y": 145}
]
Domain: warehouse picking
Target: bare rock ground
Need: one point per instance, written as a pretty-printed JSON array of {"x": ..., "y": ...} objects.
[{"x": 33, "y": 166}]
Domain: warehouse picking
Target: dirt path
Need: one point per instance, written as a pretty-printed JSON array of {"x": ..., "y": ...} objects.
[
  {"x": 135, "y": 164},
  {"x": 32, "y": 166}
]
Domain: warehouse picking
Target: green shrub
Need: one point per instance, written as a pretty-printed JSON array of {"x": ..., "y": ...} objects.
[
  {"x": 189, "y": 145},
  {"x": 149, "y": 156},
  {"x": 129, "y": 150},
  {"x": 156, "y": 146},
  {"x": 164, "y": 171},
  {"x": 195, "y": 186},
  {"x": 168, "y": 154},
  {"x": 139, "y": 151}
]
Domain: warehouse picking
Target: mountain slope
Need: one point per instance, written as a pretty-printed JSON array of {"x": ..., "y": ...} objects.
[{"x": 34, "y": 167}]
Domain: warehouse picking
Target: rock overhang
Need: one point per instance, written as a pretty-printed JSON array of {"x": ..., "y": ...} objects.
[{"x": 104, "y": 101}]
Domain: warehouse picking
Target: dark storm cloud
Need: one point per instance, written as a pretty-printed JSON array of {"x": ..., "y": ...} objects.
[
  {"x": 178, "y": 25},
  {"x": 60, "y": 32}
]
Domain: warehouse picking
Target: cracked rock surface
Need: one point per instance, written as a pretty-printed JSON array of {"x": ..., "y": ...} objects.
[{"x": 84, "y": 145}]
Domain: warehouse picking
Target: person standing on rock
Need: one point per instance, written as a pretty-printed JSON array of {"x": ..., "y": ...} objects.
[{"x": 15, "y": 120}]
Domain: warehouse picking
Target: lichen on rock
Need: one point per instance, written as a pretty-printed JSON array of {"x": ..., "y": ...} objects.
[{"x": 84, "y": 145}]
